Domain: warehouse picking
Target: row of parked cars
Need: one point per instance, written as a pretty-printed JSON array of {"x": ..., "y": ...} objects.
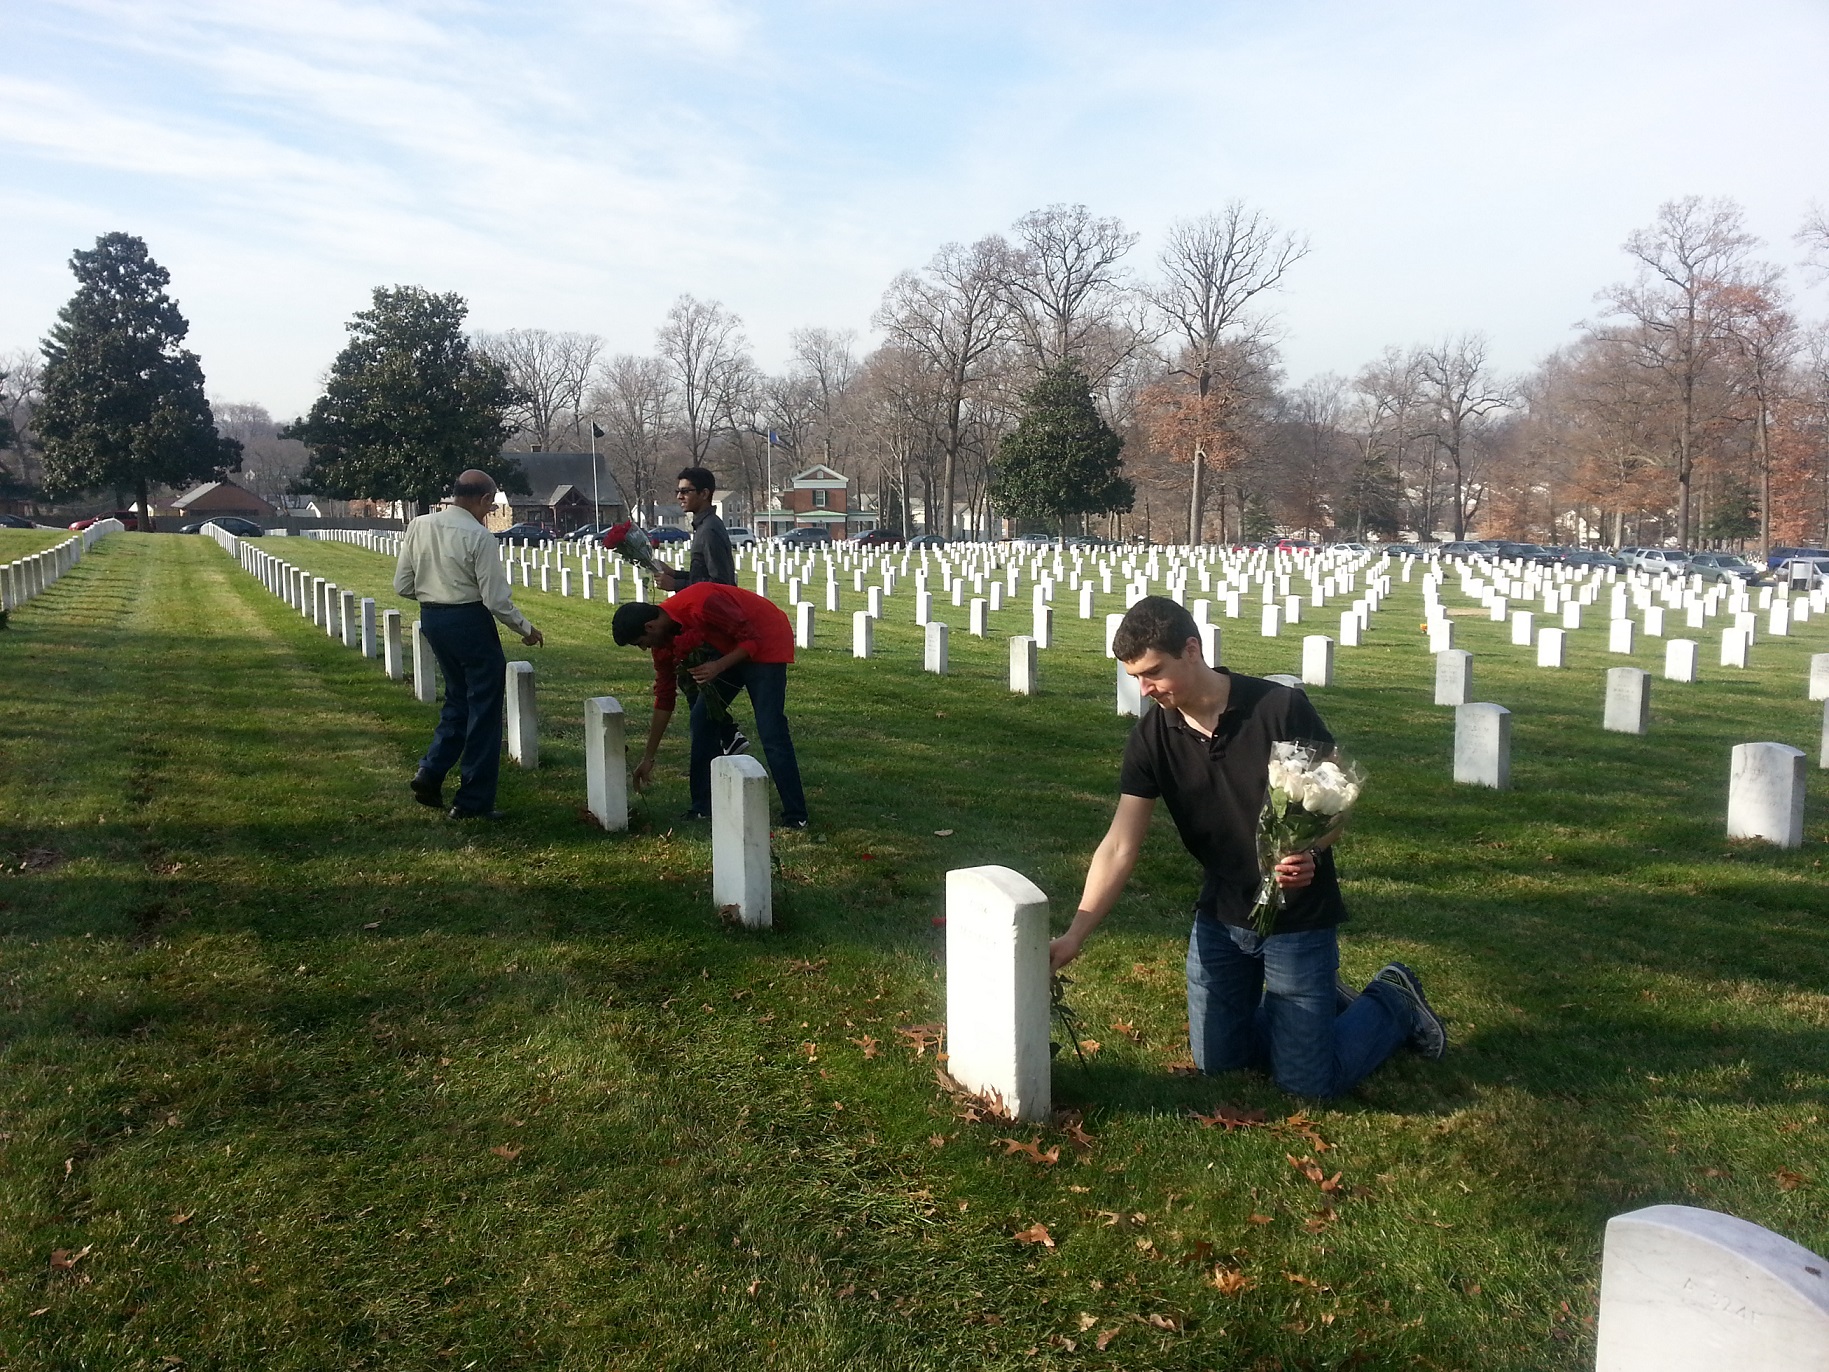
[{"x": 1797, "y": 567}]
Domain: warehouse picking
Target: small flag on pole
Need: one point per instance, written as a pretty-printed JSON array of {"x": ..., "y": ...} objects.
[{"x": 595, "y": 431}]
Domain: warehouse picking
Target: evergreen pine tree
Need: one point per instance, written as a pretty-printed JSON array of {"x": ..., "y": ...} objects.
[
  {"x": 123, "y": 406},
  {"x": 1062, "y": 458}
]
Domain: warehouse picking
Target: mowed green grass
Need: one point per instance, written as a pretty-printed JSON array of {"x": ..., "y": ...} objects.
[
  {"x": 18, "y": 543},
  {"x": 311, "y": 1078}
]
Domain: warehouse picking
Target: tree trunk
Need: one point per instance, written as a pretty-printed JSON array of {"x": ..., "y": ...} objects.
[
  {"x": 147, "y": 523},
  {"x": 1765, "y": 485},
  {"x": 1197, "y": 495}
]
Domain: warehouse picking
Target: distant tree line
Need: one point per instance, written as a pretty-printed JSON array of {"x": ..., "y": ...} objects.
[{"x": 1694, "y": 406}]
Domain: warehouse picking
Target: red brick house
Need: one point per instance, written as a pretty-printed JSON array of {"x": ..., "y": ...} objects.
[{"x": 816, "y": 498}]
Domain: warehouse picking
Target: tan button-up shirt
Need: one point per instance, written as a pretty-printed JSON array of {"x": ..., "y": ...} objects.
[{"x": 449, "y": 558}]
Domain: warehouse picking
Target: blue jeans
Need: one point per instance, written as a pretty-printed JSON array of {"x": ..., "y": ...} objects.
[
  {"x": 766, "y": 683},
  {"x": 1269, "y": 1003},
  {"x": 469, "y": 652}
]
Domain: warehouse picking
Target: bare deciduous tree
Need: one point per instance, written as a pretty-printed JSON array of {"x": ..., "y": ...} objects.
[
  {"x": 1462, "y": 392},
  {"x": 1067, "y": 291},
  {"x": 953, "y": 317},
  {"x": 1675, "y": 314},
  {"x": 552, "y": 372},
  {"x": 1214, "y": 269},
  {"x": 21, "y": 379},
  {"x": 633, "y": 403},
  {"x": 707, "y": 357}
]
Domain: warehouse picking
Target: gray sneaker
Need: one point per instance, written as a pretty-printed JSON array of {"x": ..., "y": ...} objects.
[{"x": 1427, "y": 1036}]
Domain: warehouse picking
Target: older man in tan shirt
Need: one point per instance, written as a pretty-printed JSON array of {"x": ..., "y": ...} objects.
[{"x": 452, "y": 565}]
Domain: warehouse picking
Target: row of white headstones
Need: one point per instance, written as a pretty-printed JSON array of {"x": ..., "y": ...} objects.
[
  {"x": 1766, "y": 789},
  {"x": 26, "y": 577},
  {"x": 1766, "y": 780},
  {"x": 1681, "y": 1288}
]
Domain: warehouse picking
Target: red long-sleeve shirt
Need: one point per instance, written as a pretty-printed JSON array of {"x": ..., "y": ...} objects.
[{"x": 726, "y": 617}]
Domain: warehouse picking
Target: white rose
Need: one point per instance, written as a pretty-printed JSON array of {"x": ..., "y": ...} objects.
[
  {"x": 1295, "y": 784},
  {"x": 1323, "y": 799}
]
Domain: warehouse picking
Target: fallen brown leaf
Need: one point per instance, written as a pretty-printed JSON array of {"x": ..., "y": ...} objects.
[
  {"x": 1229, "y": 1281},
  {"x": 921, "y": 1037},
  {"x": 1258, "y": 1219},
  {"x": 62, "y": 1259},
  {"x": 943, "y": 833},
  {"x": 1129, "y": 1030},
  {"x": 1090, "y": 1047},
  {"x": 1031, "y": 1150},
  {"x": 803, "y": 965},
  {"x": 1036, "y": 1233},
  {"x": 1163, "y": 1322},
  {"x": 1789, "y": 1180},
  {"x": 1087, "y": 1321},
  {"x": 1105, "y": 1337},
  {"x": 510, "y": 1151},
  {"x": 753, "y": 1287},
  {"x": 936, "y": 1140},
  {"x": 1231, "y": 1117},
  {"x": 183, "y": 1217},
  {"x": 868, "y": 1044}
]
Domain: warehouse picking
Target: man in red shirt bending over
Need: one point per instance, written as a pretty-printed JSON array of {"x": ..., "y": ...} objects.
[{"x": 753, "y": 644}]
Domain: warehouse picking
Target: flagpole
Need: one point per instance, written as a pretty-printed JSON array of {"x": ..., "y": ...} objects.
[{"x": 596, "y": 502}]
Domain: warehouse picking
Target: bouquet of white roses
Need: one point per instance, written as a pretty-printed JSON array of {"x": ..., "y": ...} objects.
[{"x": 1310, "y": 794}]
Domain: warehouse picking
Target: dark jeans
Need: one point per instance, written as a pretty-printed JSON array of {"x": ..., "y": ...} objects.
[
  {"x": 469, "y": 653},
  {"x": 766, "y": 683},
  {"x": 1269, "y": 1003}
]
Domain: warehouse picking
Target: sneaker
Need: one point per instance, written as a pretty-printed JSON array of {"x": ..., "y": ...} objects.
[
  {"x": 694, "y": 814},
  {"x": 428, "y": 789},
  {"x": 493, "y": 816},
  {"x": 793, "y": 824},
  {"x": 738, "y": 744},
  {"x": 1344, "y": 996},
  {"x": 1428, "y": 1037}
]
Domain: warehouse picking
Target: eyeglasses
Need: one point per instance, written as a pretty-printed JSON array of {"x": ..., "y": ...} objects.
[{"x": 685, "y": 490}]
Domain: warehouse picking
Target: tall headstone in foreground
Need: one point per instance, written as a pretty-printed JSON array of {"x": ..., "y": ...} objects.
[
  {"x": 606, "y": 767},
  {"x": 369, "y": 646},
  {"x": 803, "y": 624},
  {"x": 425, "y": 668},
  {"x": 392, "y": 658},
  {"x": 348, "y": 618},
  {"x": 997, "y": 988},
  {"x": 1209, "y": 644},
  {"x": 1111, "y": 631},
  {"x": 523, "y": 716},
  {"x": 1735, "y": 644},
  {"x": 1482, "y": 746},
  {"x": 740, "y": 875},
  {"x": 1765, "y": 794},
  {"x": 1022, "y": 665},
  {"x": 1317, "y": 660},
  {"x": 1619, "y": 635},
  {"x": 1453, "y": 677},
  {"x": 1680, "y": 660},
  {"x": 863, "y": 633},
  {"x": 1628, "y": 709},
  {"x": 935, "y": 660},
  {"x": 1687, "y": 1290},
  {"x": 1552, "y": 647}
]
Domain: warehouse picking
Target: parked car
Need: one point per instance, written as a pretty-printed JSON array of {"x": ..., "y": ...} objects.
[
  {"x": 1032, "y": 540},
  {"x": 1461, "y": 549},
  {"x": 740, "y": 538},
  {"x": 1779, "y": 555},
  {"x": 16, "y": 522},
  {"x": 130, "y": 519},
  {"x": 1398, "y": 549},
  {"x": 1295, "y": 545},
  {"x": 796, "y": 537},
  {"x": 877, "y": 538},
  {"x": 667, "y": 534},
  {"x": 1654, "y": 560},
  {"x": 926, "y": 541},
  {"x": 1803, "y": 573},
  {"x": 589, "y": 533},
  {"x": 525, "y": 533},
  {"x": 1724, "y": 567},
  {"x": 229, "y": 524},
  {"x": 1591, "y": 557}
]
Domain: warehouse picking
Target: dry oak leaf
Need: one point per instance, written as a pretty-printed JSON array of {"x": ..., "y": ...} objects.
[
  {"x": 936, "y": 1140},
  {"x": 868, "y": 1044},
  {"x": 1229, "y": 1281},
  {"x": 802, "y": 965},
  {"x": 1087, "y": 1321},
  {"x": 1789, "y": 1180},
  {"x": 1090, "y": 1047},
  {"x": 921, "y": 1037},
  {"x": 183, "y": 1217},
  {"x": 1129, "y": 1030},
  {"x": 510, "y": 1151},
  {"x": 1036, "y": 1233},
  {"x": 1031, "y": 1150},
  {"x": 1161, "y": 1322},
  {"x": 1105, "y": 1337},
  {"x": 753, "y": 1287},
  {"x": 1258, "y": 1219},
  {"x": 1231, "y": 1117},
  {"x": 62, "y": 1259},
  {"x": 1308, "y": 1167}
]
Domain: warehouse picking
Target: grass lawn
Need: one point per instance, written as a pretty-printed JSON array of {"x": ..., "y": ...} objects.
[
  {"x": 18, "y": 543},
  {"x": 299, "y": 1076}
]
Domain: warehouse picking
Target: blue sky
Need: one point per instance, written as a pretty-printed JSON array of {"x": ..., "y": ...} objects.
[{"x": 577, "y": 165}]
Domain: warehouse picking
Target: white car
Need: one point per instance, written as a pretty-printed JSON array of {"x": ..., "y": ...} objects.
[
  {"x": 740, "y": 538},
  {"x": 1803, "y": 573}
]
